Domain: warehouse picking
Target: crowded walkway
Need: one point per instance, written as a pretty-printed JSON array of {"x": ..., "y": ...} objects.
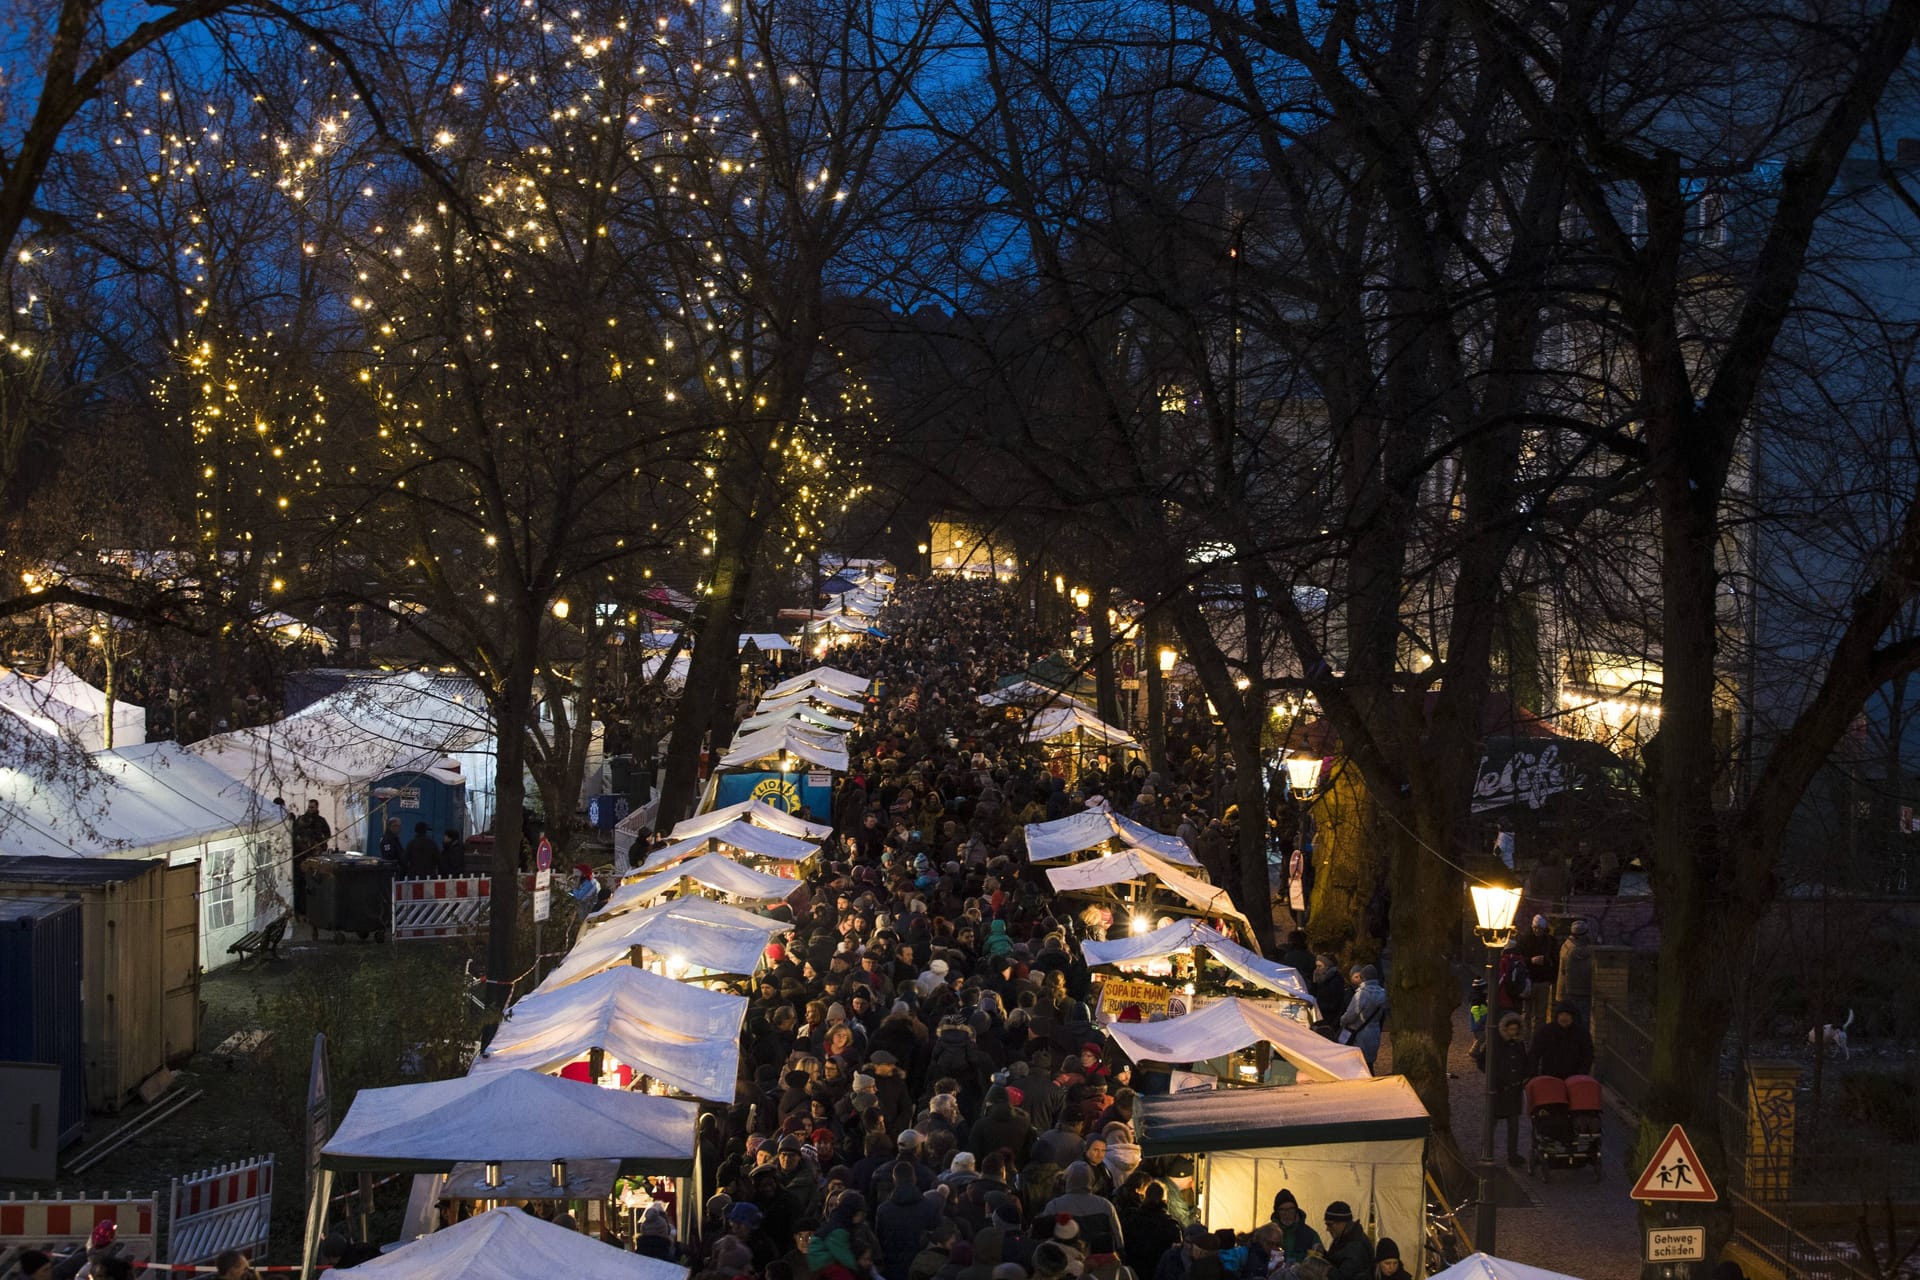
[{"x": 924, "y": 1092}]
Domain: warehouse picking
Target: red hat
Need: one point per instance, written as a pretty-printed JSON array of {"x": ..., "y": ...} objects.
[
  {"x": 776, "y": 952},
  {"x": 1015, "y": 1096},
  {"x": 1092, "y": 1048},
  {"x": 103, "y": 1234},
  {"x": 820, "y": 1135}
]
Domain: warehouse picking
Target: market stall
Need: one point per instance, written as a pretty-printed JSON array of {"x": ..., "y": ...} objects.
[
  {"x": 1225, "y": 1040},
  {"x": 746, "y": 841},
  {"x": 510, "y": 1244},
  {"x": 640, "y": 1026},
  {"x": 708, "y": 874},
  {"x": 757, "y": 813},
  {"x": 1141, "y": 887},
  {"x": 1075, "y": 738},
  {"x": 1101, "y": 831},
  {"x": 1028, "y": 694},
  {"x": 430, "y": 1128},
  {"x": 1166, "y": 972},
  {"x": 807, "y": 717},
  {"x": 695, "y": 939},
  {"x": 1361, "y": 1141},
  {"x": 816, "y": 697},
  {"x": 1478, "y": 1266},
  {"x": 788, "y": 764},
  {"x": 833, "y": 679}
]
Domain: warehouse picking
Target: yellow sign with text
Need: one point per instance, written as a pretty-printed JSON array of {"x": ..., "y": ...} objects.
[{"x": 1154, "y": 1002}]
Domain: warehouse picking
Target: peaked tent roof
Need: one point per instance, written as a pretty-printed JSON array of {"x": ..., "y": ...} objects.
[
  {"x": 1233, "y": 1024},
  {"x": 705, "y": 934},
  {"x": 842, "y": 682},
  {"x": 715, "y": 871},
  {"x": 1062, "y": 722},
  {"x": 1028, "y": 693},
  {"x": 766, "y": 641},
  {"x": 1135, "y": 865},
  {"x": 154, "y": 797},
  {"x": 511, "y": 1244},
  {"x": 756, "y": 813},
  {"x": 1478, "y": 1266},
  {"x": 814, "y": 746},
  {"x": 1184, "y": 935},
  {"x": 814, "y": 695},
  {"x": 805, "y": 717},
  {"x": 674, "y": 1031},
  {"x": 429, "y": 1128},
  {"x": 736, "y": 833},
  {"x": 1077, "y": 832},
  {"x": 63, "y": 684}
]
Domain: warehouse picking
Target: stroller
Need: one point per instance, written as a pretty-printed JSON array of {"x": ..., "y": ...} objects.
[{"x": 1565, "y": 1123}]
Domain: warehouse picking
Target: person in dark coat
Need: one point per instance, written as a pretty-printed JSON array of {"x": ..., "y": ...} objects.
[
  {"x": 903, "y": 1222},
  {"x": 453, "y": 854},
  {"x": 1511, "y": 1067},
  {"x": 1001, "y": 1128},
  {"x": 1329, "y": 987},
  {"x": 1562, "y": 1047},
  {"x": 1146, "y": 1226},
  {"x": 423, "y": 854},
  {"x": 1349, "y": 1252},
  {"x": 392, "y": 848}
]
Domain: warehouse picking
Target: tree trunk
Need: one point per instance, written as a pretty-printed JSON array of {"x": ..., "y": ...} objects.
[
  {"x": 513, "y": 709},
  {"x": 1250, "y": 888},
  {"x": 1348, "y": 837},
  {"x": 1105, "y": 697},
  {"x": 1424, "y": 915}
]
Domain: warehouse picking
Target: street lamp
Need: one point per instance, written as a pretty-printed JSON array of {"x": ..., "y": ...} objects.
[
  {"x": 1494, "y": 908},
  {"x": 1167, "y": 660},
  {"x": 1082, "y": 597},
  {"x": 1303, "y": 776}
]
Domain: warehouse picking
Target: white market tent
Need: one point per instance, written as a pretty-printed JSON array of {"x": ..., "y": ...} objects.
[
  {"x": 1137, "y": 867},
  {"x": 1074, "y": 722},
  {"x": 756, "y": 813},
  {"x": 736, "y": 834},
  {"x": 1232, "y": 1025},
  {"x": 511, "y": 1244},
  {"x": 512, "y": 1115},
  {"x": 823, "y": 699},
  {"x": 681, "y": 1034},
  {"x": 831, "y": 678},
  {"x": 814, "y": 746},
  {"x": 1184, "y": 935},
  {"x": 333, "y": 749},
  {"x": 805, "y": 717},
  {"x": 694, "y": 936},
  {"x": 1478, "y": 1266},
  {"x": 158, "y": 800},
  {"x": 1355, "y": 1140},
  {"x": 1031, "y": 693},
  {"x": 1094, "y": 829},
  {"x": 766, "y": 641},
  {"x": 714, "y": 871},
  {"x": 63, "y": 686},
  {"x": 677, "y": 677}
]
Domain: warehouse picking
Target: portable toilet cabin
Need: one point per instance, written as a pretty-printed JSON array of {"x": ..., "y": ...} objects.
[{"x": 436, "y": 796}]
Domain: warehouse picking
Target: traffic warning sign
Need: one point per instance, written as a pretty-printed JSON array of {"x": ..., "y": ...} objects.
[{"x": 1675, "y": 1173}]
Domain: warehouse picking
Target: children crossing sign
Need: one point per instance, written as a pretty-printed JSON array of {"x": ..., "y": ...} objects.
[{"x": 1675, "y": 1173}]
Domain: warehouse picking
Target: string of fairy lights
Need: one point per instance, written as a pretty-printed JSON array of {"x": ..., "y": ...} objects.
[{"x": 603, "y": 258}]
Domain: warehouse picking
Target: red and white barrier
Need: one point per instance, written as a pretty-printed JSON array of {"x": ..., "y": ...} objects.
[
  {"x": 35, "y": 1223},
  {"x": 439, "y": 906},
  {"x": 229, "y": 1207}
]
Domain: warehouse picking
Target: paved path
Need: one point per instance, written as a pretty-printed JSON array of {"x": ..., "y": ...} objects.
[{"x": 1571, "y": 1224}]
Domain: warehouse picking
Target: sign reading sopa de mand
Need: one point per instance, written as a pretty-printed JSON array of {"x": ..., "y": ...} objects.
[
  {"x": 1154, "y": 1002},
  {"x": 1677, "y": 1244}
]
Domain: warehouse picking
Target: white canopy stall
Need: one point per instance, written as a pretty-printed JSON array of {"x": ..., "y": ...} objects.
[
  {"x": 1478, "y": 1266},
  {"x": 1101, "y": 830},
  {"x": 1031, "y": 693},
  {"x": 1360, "y": 1141},
  {"x": 712, "y": 871},
  {"x": 690, "y": 937},
  {"x": 767, "y": 641},
  {"x": 841, "y": 682},
  {"x": 1139, "y": 872},
  {"x": 1180, "y": 938},
  {"x": 62, "y": 702},
  {"x": 1076, "y": 722},
  {"x": 804, "y": 716},
  {"x": 823, "y": 699},
  {"x": 739, "y": 836},
  {"x": 511, "y": 1244},
  {"x": 1232, "y": 1025},
  {"x": 819, "y": 748},
  {"x": 683, "y": 1035},
  {"x": 757, "y": 813}
]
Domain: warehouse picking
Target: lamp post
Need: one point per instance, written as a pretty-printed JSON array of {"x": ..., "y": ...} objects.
[
  {"x": 1158, "y": 669},
  {"x": 1303, "y": 776},
  {"x": 1494, "y": 907},
  {"x": 926, "y": 561}
]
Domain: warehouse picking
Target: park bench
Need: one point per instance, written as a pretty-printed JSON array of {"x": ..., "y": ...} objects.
[{"x": 261, "y": 942}]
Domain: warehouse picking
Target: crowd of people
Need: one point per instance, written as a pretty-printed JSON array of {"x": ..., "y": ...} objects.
[{"x": 924, "y": 1093}]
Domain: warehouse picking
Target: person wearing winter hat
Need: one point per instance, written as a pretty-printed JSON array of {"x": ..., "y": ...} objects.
[
  {"x": 731, "y": 1256},
  {"x": 1386, "y": 1260},
  {"x": 656, "y": 1236},
  {"x": 960, "y": 1171},
  {"x": 1297, "y": 1236},
  {"x": 1009, "y": 1271},
  {"x": 1349, "y": 1252},
  {"x": 1078, "y": 1201}
]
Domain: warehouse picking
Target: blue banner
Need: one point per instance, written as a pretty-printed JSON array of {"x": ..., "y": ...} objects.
[{"x": 811, "y": 788}]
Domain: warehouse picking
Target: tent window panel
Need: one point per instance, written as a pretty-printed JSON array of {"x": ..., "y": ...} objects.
[{"x": 217, "y": 886}]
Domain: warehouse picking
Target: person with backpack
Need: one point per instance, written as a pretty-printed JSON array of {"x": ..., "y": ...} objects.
[{"x": 1360, "y": 1025}]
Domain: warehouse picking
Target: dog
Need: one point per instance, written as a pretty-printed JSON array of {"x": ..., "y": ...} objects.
[{"x": 1833, "y": 1037}]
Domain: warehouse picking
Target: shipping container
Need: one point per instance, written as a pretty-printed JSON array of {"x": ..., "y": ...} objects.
[
  {"x": 140, "y": 972},
  {"x": 40, "y": 988}
]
